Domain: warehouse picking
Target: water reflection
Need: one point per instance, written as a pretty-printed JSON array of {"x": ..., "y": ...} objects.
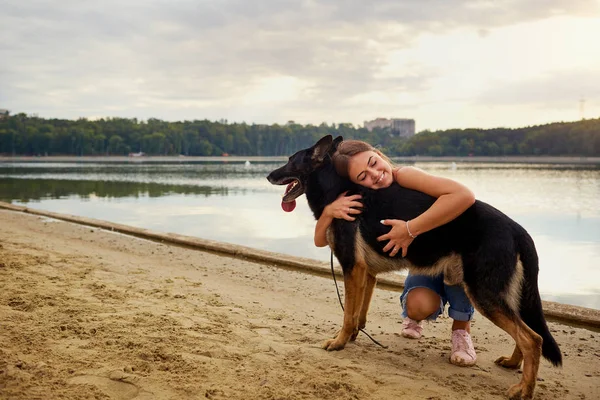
[
  {"x": 234, "y": 203},
  {"x": 38, "y": 189}
]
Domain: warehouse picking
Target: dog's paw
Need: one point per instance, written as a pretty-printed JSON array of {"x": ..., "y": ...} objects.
[
  {"x": 333, "y": 344},
  {"x": 519, "y": 392},
  {"x": 506, "y": 362}
]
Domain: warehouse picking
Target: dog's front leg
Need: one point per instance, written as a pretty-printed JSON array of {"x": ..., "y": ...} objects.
[
  {"x": 371, "y": 281},
  {"x": 354, "y": 288}
]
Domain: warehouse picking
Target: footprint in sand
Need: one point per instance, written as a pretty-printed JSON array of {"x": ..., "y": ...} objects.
[{"x": 118, "y": 385}]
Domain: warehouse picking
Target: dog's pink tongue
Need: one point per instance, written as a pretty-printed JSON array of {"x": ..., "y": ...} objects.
[{"x": 288, "y": 207}]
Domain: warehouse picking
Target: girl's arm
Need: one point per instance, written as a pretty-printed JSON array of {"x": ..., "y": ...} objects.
[
  {"x": 453, "y": 198},
  {"x": 343, "y": 207},
  {"x": 321, "y": 229}
]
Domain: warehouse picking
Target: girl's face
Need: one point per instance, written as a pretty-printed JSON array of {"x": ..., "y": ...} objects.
[{"x": 368, "y": 169}]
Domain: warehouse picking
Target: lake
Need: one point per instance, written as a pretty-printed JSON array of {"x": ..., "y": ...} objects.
[{"x": 233, "y": 202}]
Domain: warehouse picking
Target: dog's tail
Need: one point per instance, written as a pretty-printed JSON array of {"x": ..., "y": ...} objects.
[{"x": 530, "y": 307}]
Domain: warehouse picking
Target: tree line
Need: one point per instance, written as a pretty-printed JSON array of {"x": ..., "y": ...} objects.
[{"x": 21, "y": 134}]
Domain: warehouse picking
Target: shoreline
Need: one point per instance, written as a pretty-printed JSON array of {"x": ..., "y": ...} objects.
[
  {"x": 565, "y": 313},
  {"x": 559, "y": 160}
]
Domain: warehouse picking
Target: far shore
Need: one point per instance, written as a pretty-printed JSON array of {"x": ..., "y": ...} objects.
[{"x": 242, "y": 159}]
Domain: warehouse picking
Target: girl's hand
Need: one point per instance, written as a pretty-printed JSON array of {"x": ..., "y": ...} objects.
[
  {"x": 398, "y": 237},
  {"x": 344, "y": 207}
]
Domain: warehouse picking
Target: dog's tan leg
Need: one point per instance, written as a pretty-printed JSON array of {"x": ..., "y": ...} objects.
[
  {"x": 531, "y": 348},
  {"x": 513, "y": 361},
  {"x": 354, "y": 292},
  {"x": 529, "y": 345},
  {"x": 362, "y": 317}
]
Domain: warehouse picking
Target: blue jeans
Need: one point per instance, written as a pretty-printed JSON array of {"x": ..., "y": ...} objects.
[{"x": 460, "y": 307}]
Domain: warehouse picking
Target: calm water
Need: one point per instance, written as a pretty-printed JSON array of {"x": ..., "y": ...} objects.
[{"x": 233, "y": 202}]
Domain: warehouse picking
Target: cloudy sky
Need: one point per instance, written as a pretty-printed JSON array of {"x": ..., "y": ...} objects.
[{"x": 445, "y": 63}]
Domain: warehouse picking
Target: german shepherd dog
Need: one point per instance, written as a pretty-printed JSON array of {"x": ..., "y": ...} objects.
[{"x": 492, "y": 256}]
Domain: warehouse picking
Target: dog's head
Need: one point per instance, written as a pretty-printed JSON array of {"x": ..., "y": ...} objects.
[{"x": 295, "y": 173}]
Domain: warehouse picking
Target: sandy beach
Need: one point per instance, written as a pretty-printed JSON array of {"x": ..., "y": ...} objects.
[{"x": 87, "y": 313}]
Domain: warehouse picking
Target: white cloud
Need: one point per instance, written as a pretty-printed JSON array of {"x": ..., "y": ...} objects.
[{"x": 270, "y": 61}]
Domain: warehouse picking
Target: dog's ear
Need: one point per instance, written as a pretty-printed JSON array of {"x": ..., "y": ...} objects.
[
  {"x": 320, "y": 149},
  {"x": 336, "y": 143}
]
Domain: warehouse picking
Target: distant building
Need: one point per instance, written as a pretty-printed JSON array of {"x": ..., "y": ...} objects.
[
  {"x": 378, "y": 123},
  {"x": 398, "y": 126},
  {"x": 4, "y": 113}
]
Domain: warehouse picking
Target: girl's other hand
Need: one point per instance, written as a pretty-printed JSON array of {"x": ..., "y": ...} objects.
[
  {"x": 398, "y": 237},
  {"x": 344, "y": 207}
]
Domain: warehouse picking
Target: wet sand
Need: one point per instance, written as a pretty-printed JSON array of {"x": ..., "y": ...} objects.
[{"x": 91, "y": 314}]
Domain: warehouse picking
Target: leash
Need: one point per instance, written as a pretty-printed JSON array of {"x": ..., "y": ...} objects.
[{"x": 342, "y": 305}]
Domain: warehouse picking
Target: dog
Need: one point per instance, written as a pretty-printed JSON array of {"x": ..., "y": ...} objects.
[{"x": 485, "y": 251}]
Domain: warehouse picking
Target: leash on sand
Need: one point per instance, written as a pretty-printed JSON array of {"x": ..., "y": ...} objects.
[{"x": 342, "y": 305}]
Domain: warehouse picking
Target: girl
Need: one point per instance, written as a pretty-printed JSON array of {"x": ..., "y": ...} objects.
[{"x": 423, "y": 297}]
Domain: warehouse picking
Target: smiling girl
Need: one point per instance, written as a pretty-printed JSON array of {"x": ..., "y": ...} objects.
[{"x": 424, "y": 297}]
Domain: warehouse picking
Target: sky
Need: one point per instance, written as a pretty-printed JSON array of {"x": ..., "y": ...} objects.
[{"x": 445, "y": 63}]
